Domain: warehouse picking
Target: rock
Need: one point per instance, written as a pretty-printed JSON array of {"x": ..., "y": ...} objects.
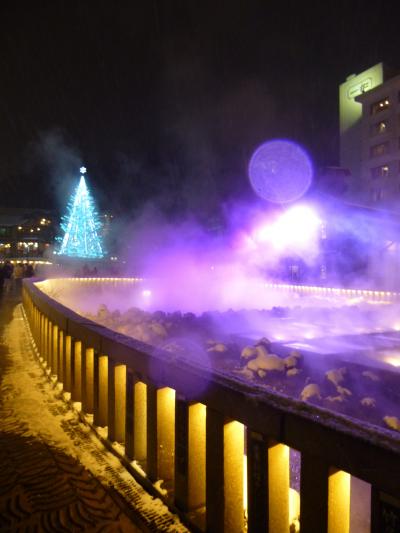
[
  {"x": 311, "y": 390},
  {"x": 103, "y": 312},
  {"x": 368, "y": 402},
  {"x": 158, "y": 329},
  {"x": 336, "y": 376},
  {"x": 370, "y": 375},
  {"x": 266, "y": 361},
  {"x": 262, "y": 350},
  {"x": 292, "y": 360},
  {"x": 219, "y": 347},
  {"x": 248, "y": 352},
  {"x": 293, "y": 372},
  {"x": 264, "y": 342},
  {"x": 338, "y": 398},
  {"x": 343, "y": 391},
  {"x": 393, "y": 422}
]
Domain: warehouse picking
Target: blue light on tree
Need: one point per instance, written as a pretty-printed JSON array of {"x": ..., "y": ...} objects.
[{"x": 81, "y": 225}]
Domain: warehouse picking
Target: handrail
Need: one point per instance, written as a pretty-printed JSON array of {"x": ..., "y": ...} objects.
[{"x": 77, "y": 350}]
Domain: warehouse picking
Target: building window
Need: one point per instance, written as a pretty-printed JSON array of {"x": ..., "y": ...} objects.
[
  {"x": 377, "y": 195},
  {"x": 380, "y": 172},
  {"x": 379, "y": 127},
  {"x": 379, "y": 149},
  {"x": 381, "y": 105}
]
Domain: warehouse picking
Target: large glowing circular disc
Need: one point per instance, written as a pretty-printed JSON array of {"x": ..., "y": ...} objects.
[{"x": 280, "y": 171}]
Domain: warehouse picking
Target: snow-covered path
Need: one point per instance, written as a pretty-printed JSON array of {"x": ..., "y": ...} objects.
[{"x": 55, "y": 472}]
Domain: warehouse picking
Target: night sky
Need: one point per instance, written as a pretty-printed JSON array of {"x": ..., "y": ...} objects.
[{"x": 165, "y": 101}]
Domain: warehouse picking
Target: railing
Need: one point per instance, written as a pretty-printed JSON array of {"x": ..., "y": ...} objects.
[{"x": 222, "y": 448}]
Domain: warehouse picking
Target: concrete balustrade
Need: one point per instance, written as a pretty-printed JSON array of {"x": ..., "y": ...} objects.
[{"x": 224, "y": 449}]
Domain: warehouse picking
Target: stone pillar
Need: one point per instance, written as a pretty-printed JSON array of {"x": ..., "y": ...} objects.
[
  {"x": 76, "y": 366},
  {"x": 100, "y": 392},
  {"x": 54, "y": 358},
  {"x": 166, "y": 434},
  {"x": 87, "y": 380},
  {"x": 68, "y": 364},
  {"x": 120, "y": 403},
  {"x": 278, "y": 483},
  {"x": 116, "y": 401},
  {"x": 140, "y": 422},
  {"x": 61, "y": 356},
  {"x": 338, "y": 501},
  {"x": 233, "y": 477}
]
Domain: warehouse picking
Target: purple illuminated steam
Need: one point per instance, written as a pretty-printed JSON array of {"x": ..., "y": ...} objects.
[
  {"x": 280, "y": 171},
  {"x": 296, "y": 229}
]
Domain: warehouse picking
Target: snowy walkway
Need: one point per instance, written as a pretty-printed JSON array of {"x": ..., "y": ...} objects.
[{"x": 55, "y": 474}]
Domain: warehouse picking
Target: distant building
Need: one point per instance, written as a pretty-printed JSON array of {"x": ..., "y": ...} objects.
[
  {"x": 26, "y": 234},
  {"x": 369, "y": 133},
  {"x": 380, "y": 137}
]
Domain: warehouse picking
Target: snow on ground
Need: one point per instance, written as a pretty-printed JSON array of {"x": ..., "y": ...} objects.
[{"x": 35, "y": 406}]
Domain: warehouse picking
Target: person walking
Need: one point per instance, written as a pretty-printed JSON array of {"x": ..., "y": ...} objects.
[
  {"x": 8, "y": 269},
  {"x": 18, "y": 274}
]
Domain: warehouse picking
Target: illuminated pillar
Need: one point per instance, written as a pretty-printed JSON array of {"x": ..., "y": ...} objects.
[
  {"x": 40, "y": 339},
  {"x": 45, "y": 334},
  {"x": 61, "y": 358},
  {"x": 233, "y": 477},
  {"x": 87, "y": 380},
  {"x": 338, "y": 502},
  {"x": 68, "y": 363},
  {"x": 54, "y": 361},
  {"x": 100, "y": 393},
  {"x": 190, "y": 454},
  {"x": 313, "y": 493},
  {"x": 50, "y": 346},
  {"x": 166, "y": 433},
  {"x": 278, "y": 484},
  {"x": 116, "y": 401},
  {"x": 140, "y": 421},
  {"x": 257, "y": 482},
  {"x": 120, "y": 402},
  {"x": 77, "y": 371},
  {"x": 214, "y": 471}
]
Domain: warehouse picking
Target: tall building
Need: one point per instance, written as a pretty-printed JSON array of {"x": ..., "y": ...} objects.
[
  {"x": 380, "y": 139},
  {"x": 363, "y": 102}
]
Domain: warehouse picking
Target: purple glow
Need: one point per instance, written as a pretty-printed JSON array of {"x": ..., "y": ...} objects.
[
  {"x": 296, "y": 229},
  {"x": 280, "y": 171}
]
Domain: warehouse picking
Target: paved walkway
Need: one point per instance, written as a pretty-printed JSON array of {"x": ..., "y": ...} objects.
[{"x": 55, "y": 475}]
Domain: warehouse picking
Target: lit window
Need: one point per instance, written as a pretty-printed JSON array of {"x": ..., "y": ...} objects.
[
  {"x": 379, "y": 127},
  {"x": 379, "y": 149},
  {"x": 381, "y": 105},
  {"x": 380, "y": 172}
]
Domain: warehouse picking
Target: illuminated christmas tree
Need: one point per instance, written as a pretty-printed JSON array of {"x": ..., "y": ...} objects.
[{"x": 81, "y": 225}]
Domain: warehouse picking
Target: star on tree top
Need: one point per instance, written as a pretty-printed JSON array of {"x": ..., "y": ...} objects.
[{"x": 82, "y": 170}]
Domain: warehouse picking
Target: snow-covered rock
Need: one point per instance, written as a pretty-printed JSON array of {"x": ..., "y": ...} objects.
[
  {"x": 392, "y": 421},
  {"x": 266, "y": 361},
  {"x": 311, "y": 390},
  {"x": 368, "y": 402},
  {"x": 336, "y": 376}
]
